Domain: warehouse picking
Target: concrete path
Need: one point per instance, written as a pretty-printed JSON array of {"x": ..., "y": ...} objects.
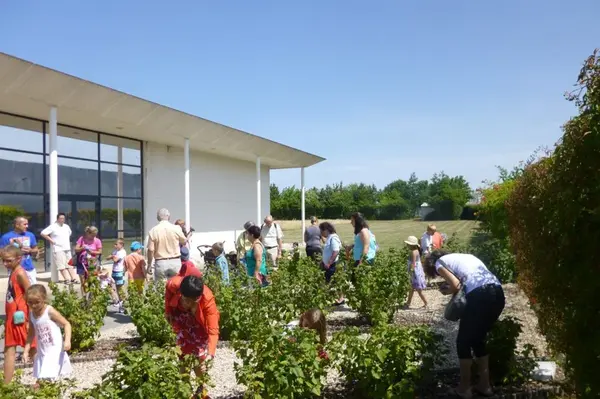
[{"x": 112, "y": 319}]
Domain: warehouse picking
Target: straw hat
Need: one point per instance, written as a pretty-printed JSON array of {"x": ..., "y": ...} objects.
[{"x": 412, "y": 240}]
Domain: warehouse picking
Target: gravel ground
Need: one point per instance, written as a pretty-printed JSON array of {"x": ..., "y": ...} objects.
[{"x": 223, "y": 376}]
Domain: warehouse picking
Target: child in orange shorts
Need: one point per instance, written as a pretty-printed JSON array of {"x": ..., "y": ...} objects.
[{"x": 16, "y": 309}]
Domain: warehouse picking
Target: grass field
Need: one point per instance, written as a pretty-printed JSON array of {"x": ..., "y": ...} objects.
[{"x": 389, "y": 233}]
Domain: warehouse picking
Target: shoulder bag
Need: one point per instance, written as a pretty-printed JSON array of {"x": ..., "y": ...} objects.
[{"x": 457, "y": 304}]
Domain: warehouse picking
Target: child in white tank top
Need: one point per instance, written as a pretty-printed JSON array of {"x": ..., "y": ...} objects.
[{"x": 51, "y": 360}]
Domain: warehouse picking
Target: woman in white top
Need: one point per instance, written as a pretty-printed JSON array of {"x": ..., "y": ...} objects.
[{"x": 485, "y": 302}]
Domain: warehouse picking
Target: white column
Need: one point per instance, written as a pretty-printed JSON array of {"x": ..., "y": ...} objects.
[
  {"x": 186, "y": 183},
  {"x": 53, "y": 183},
  {"x": 258, "y": 204},
  {"x": 302, "y": 201},
  {"x": 120, "y": 192}
]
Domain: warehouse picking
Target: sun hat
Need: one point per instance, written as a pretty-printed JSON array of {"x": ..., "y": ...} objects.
[
  {"x": 412, "y": 240},
  {"x": 136, "y": 245}
]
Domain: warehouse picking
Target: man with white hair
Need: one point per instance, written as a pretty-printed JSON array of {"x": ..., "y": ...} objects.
[
  {"x": 164, "y": 242},
  {"x": 272, "y": 238},
  {"x": 431, "y": 240}
]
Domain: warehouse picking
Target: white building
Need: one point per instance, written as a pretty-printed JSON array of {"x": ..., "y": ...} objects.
[{"x": 110, "y": 159}]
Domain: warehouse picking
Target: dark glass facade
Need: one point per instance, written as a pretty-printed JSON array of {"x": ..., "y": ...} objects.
[{"x": 99, "y": 181}]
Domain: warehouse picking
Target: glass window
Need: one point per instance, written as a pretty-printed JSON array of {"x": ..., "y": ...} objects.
[
  {"x": 131, "y": 180},
  {"x": 76, "y": 143},
  {"x": 21, "y": 134},
  {"x": 131, "y": 224},
  {"x": 132, "y": 215},
  {"x": 21, "y": 172},
  {"x": 76, "y": 176},
  {"x": 110, "y": 147}
]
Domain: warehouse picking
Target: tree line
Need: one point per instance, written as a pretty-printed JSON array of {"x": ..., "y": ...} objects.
[{"x": 400, "y": 199}]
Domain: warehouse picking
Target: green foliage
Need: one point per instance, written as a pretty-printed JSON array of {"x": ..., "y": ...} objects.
[
  {"x": 46, "y": 390},
  {"x": 282, "y": 364},
  {"x": 398, "y": 200},
  {"x": 380, "y": 289},
  {"x": 86, "y": 314},
  {"x": 492, "y": 210},
  {"x": 507, "y": 365},
  {"x": 554, "y": 218},
  {"x": 147, "y": 312},
  {"x": 389, "y": 363},
  {"x": 470, "y": 212},
  {"x": 8, "y": 213},
  {"x": 496, "y": 255},
  {"x": 149, "y": 373}
]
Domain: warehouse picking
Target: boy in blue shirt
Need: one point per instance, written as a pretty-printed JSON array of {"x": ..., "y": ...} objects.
[
  {"x": 221, "y": 261},
  {"x": 26, "y": 242}
]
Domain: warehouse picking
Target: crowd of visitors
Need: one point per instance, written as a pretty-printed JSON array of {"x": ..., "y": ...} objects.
[{"x": 190, "y": 306}]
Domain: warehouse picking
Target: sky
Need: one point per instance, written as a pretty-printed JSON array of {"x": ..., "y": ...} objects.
[{"x": 380, "y": 89}]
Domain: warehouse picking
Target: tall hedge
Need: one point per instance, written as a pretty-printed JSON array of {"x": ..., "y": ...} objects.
[{"x": 554, "y": 215}]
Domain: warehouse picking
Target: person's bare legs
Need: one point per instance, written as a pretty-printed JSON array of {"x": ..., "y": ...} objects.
[
  {"x": 420, "y": 292},
  {"x": 465, "y": 378},
  {"x": 65, "y": 275},
  {"x": 410, "y": 297},
  {"x": 10, "y": 353},
  {"x": 483, "y": 386},
  {"x": 71, "y": 272}
]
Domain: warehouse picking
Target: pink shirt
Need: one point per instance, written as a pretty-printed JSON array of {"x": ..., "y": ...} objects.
[{"x": 92, "y": 245}]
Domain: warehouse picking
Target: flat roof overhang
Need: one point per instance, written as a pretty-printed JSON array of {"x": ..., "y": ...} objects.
[{"x": 31, "y": 90}]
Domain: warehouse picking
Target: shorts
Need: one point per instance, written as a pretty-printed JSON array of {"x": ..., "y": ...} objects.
[
  {"x": 61, "y": 259},
  {"x": 119, "y": 278},
  {"x": 32, "y": 276}
]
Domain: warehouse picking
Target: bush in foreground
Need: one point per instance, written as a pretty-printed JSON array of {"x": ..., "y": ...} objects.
[
  {"x": 86, "y": 314},
  {"x": 389, "y": 363},
  {"x": 47, "y": 389},
  {"x": 147, "y": 312}
]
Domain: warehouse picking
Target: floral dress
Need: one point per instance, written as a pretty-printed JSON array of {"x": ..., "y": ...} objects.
[
  {"x": 417, "y": 276},
  {"x": 191, "y": 336}
]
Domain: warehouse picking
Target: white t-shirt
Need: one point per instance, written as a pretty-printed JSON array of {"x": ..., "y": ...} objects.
[
  {"x": 118, "y": 265},
  {"x": 270, "y": 235},
  {"x": 61, "y": 235},
  {"x": 469, "y": 269},
  {"x": 332, "y": 244}
]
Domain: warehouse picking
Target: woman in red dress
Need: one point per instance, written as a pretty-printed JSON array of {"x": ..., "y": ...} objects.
[
  {"x": 191, "y": 310},
  {"x": 16, "y": 310}
]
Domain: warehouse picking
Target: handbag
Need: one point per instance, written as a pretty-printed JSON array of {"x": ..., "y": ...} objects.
[
  {"x": 18, "y": 318},
  {"x": 457, "y": 304}
]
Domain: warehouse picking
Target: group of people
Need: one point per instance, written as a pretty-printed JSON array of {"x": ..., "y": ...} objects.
[{"x": 190, "y": 306}]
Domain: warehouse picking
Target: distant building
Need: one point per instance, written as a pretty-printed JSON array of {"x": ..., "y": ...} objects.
[{"x": 424, "y": 210}]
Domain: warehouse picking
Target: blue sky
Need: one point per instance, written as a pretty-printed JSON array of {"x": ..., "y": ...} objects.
[{"x": 381, "y": 89}]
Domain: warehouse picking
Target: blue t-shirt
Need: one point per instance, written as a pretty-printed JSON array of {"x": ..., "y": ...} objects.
[{"x": 26, "y": 239}]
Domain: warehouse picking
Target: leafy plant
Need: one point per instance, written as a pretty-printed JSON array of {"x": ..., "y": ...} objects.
[
  {"x": 496, "y": 255},
  {"x": 380, "y": 289},
  {"x": 389, "y": 363},
  {"x": 507, "y": 365},
  {"x": 149, "y": 373},
  {"x": 46, "y": 389},
  {"x": 276, "y": 364},
  {"x": 554, "y": 218},
  {"x": 147, "y": 312},
  {"x": 86, "y": 314}
]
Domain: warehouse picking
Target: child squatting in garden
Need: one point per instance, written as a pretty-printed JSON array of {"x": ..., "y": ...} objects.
[
  {"x": 51, "y": 360},
  {"x": 191, "y": 310},
  {"x": 313, "y": 319}
]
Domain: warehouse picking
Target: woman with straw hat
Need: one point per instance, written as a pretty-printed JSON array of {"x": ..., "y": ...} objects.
[{"x": 415, "y": 271}]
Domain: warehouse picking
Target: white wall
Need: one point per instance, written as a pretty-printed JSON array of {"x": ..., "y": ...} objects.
[{"x": 222, "y": 192}]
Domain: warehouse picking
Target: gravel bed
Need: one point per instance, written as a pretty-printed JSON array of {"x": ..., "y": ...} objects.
[{"x": 89, "y": 373}]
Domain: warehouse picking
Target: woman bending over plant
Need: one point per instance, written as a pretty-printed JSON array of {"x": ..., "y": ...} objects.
[
  {"x": 484, "y": 304},
  {"x": 191, "y": 310}
]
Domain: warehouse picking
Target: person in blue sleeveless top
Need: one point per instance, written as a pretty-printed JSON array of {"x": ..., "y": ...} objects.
[
  {"x": 257, "y": 255},
  {"x": 365, "y": 244}
]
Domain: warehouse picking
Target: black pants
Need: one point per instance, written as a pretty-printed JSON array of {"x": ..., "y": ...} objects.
[
  {"x": 484, "y": 306},
  {"x": 312, "y": 252}
]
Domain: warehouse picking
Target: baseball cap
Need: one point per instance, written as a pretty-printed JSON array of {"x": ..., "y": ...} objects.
[
  {"x": 136, "y": 245},
  {"x": 185, "y": 253}
]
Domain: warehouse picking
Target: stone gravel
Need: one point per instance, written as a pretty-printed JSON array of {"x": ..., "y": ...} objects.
[{"x": 89, "y": 373}]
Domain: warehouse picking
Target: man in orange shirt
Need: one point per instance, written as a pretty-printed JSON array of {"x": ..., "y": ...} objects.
[{"x": 191, "y": 310}]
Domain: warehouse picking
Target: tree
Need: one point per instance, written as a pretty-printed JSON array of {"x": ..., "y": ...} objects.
[{"x": 448, "y": 196}]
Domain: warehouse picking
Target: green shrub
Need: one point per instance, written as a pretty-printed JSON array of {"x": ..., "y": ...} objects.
[
  {"x": 147, "y": 312},
  {"x": 46, "y": 390},
  {"x": 8, "y": 213},
  {"x": 389, "y": 363},
  {"x": 149, "y": 373},
  {"x": 470, "y": 212},
  {"x": 380, "y": 289},
  {"x": 496, "y": 255},
  {"x": 282, "y": 364},
  {"x": 492, "y": 210},
  {"x": 507, "y": 365},
  {"x": 457, "y": 245},
  {"x": 554, "y": 229},
  {"x": 86, "y": 314}
]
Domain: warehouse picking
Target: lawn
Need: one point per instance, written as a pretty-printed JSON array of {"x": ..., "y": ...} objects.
[{"x": 389, "y": 233}]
